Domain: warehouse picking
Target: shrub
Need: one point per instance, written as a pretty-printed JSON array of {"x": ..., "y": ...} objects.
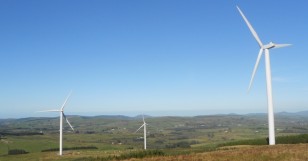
[
  {"x": 294, "y": 139},
  {"x": 17, "y": 151},
  {"x": 22, "y": 133},
  {"x": 182, "y": 144}
]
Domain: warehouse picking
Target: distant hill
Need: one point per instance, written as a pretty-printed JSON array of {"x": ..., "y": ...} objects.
[
  {"x": 108, "y": 117},
  {"x": 304, "y": 113},
  {"x": 301, "y": 113},
  {"x": 123, "y": 117}
]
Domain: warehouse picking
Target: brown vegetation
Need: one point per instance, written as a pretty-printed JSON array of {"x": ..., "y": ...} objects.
[{"x": 295, "y": 152}]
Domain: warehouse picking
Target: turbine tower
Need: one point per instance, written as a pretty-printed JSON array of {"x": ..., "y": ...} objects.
[
  {"x": 61, "y": 111},
  {"x": 144, "y": 125},
  {"x": 265, "y": 49}
]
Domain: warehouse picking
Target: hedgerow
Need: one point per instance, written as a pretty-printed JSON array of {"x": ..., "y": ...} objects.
[
  {"x": 71, "y": 148},
  {"x": 17, "y": 151}
]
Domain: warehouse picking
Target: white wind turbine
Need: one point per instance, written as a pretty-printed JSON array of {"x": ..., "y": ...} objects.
[
  {"x": 265, "y": 49},
  {"x": 61, "y": 110},
  {"x": 144, "y": 125}
]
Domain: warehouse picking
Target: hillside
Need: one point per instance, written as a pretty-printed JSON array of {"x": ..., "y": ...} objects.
[
  {"x": 243, "y": 153},
  {"x": 114, "y": 135}
]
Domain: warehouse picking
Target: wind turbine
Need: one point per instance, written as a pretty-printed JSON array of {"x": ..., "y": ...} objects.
[
  {"x": 144, "y": 125},
  {"x": 61, "y": 111},
  {"x": 265, "y": 49}
]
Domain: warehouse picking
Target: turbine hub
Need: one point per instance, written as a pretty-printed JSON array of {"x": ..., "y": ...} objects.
[{"x": 268, "y": 46}]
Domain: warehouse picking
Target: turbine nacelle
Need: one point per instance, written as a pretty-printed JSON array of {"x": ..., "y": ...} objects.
[
  {"x": 268, "y": 46},
  {"x": 273, "y": 45}
]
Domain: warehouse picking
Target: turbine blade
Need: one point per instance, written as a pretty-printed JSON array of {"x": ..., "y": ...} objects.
[
  {"x": 68, "y": 121},
  {"x": 254, "y": 33},
  {"x": 281, "y": 45},
  {"x": 143, "y": 118},
  {"x": 49, "y": 111},
  {"x": 255, "y": 68},
  {"x": 139, "y": 128},
  {"x": 62, "y": 107}
]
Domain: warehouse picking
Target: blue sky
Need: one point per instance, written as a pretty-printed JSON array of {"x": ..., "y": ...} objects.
[{"x": 154, "y": 57}]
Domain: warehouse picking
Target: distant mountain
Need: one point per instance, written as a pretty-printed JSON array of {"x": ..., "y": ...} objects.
[
  {"x": 123, "y": 117},
  {"x": 140, "y": 116},
  {"x": 111, "y": 117},
  {"x": 301, "y": 113},
  {"x": 256, "y": 114}
]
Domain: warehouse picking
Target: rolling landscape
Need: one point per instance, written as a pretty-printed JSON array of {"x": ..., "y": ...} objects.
[
  {"x": 168, "y": 137},
  {"x": 185, "y": 65}
]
